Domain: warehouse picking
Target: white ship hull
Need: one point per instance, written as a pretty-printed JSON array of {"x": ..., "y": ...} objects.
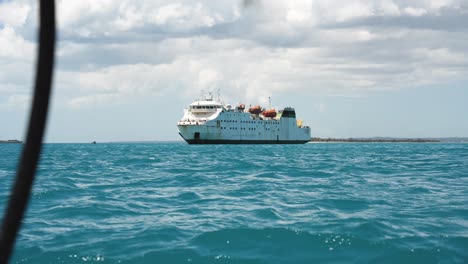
[{"x": 220, "y": 125}]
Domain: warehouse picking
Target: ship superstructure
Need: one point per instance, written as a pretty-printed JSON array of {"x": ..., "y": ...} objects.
[{"x": 211, "y": 122}]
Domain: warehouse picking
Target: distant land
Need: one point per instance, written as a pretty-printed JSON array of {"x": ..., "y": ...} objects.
[
  {"x": 354, "y": 140},
  {"x": 392, "y": 140},
  {"x": 314, "y": 139},
  {"x": 10, "y": 141}
]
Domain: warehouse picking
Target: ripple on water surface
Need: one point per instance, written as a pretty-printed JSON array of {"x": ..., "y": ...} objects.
[{"x": 179, "y": 203}]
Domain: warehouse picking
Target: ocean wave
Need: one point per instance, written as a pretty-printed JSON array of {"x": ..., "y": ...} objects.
[{"x": 178, "y": 203}]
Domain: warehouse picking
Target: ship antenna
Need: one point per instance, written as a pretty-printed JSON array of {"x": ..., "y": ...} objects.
[{"x": 269, "y": 102}]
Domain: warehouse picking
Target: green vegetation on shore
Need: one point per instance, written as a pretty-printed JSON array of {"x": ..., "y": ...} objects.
[{"x": 372, "y": 140}]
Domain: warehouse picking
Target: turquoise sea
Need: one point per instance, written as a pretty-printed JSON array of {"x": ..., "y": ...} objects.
[{"x": 179, "y": 203}]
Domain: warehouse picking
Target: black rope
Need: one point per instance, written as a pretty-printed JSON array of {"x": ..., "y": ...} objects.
[{"x": 21, "y": 191}]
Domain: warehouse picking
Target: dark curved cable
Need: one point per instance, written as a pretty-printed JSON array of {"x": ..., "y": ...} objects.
[{"x": 21, "y": 191}]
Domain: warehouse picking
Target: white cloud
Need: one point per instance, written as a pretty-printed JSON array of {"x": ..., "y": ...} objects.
[
  {"x": 72, "y": 13},
  {"x": 438, "y": 4},
  {"x": 14, "y": 46},
  {"x": 209, "y": 78},
  {"x": 93, "y": 18},
  {"x": 179, "y": 16},
  {"x": 412, "y": 11},
  {"x": 111, "y": 49},
  {"x": 18, "y": 101},
  {"x": 352, "y": 10},
  {"x": 258, "y": 72},
  {"x": 300, "y": 12},
  {"x": 129, "y": 17},
  {"x": 14, "y": 14},
  {"x": 91, "y": 100},
  {"x": 389, "y": 8}
]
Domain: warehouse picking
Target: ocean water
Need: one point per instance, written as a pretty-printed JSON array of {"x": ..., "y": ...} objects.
[{"x": 179, "y": 203}]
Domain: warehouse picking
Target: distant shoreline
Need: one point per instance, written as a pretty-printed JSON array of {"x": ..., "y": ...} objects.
[
  {"x": 376, "y": 140},
  {"x": 312, "y": 140},
  {"x": 11, "y": 141}
]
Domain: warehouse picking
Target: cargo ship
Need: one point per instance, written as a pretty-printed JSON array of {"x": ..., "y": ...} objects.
[{"x": 209, "y": 121}]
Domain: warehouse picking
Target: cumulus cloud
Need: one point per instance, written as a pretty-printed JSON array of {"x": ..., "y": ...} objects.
[
  {"x": 14, "y": 46},
  {"x": 14, "y": 14},
  {"x": 249, "y": 49}
]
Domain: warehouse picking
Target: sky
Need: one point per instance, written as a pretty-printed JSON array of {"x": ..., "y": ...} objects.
[{"x": 125, "y": 70}]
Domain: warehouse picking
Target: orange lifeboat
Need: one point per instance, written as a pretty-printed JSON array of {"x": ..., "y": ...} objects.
[
  {"x": 255, "y": 110},
  {"x": 269, "y": 113}
]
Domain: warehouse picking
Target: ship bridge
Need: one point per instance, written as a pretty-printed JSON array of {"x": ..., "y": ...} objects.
[
  {"x": 204, "y": 107},
  {"x": 200, "y": 112}
]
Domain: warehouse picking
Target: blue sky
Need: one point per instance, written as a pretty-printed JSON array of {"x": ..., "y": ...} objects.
[{"x": 126, "y": 69}]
